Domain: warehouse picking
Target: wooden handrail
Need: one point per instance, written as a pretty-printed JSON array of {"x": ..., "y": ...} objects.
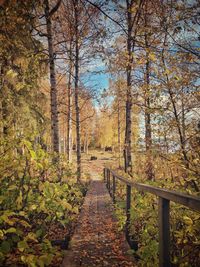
[
  {"x": 165, "y": 196},
  {"x": 189, "y": 201}
]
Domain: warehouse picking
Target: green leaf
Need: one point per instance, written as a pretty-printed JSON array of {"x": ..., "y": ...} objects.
[
  {"x": 40, "y": 166},
  {"x": 2, "y": 256},
  {"x": 11, "y": 230},
  {"x": 33, "y": 154},
  {"x": 5, "y": 247},
  {"x": 22, "y": 245},
  {"x": 41, "y": 262},
  {"x": 39, "y": 233},
  {"x": 30, "y": 260},
  {"x": 6, "y": 219},
  {"x": 12, "y": 187},
  {"x": 45, "y": 259},
  {"x": 15, "y": 238},
  {"x": 1, "y": 199}
]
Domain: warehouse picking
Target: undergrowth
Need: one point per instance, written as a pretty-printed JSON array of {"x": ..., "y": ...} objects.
[{"x": 36, "y": 196}]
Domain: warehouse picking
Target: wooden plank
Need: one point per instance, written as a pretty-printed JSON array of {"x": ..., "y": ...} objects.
[
  {"x": 164, "y": 233},
  {"x": 97, "y": 234}
]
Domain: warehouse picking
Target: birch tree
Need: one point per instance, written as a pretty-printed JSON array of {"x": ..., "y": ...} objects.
[{"x": 53, "y": 93}]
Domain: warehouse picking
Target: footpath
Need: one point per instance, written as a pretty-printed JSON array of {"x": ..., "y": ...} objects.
[{"x": 96, "y": 240}]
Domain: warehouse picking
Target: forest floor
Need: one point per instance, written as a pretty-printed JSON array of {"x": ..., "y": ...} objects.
[{"x": 96, "y": 240}]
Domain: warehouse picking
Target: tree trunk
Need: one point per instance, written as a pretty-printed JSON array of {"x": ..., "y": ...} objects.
[
  {"x": 86, "y": 142},
  {"x": 183, "y": 116},
  {"x": 87, "y": 146},
  {"x": 4, "y": 101},
  {"x": 5, "y": 115},
  {"x": 54, "y": 105},
  {"x": 78, "y": 143},
  {"x": 69, "y": 111},
  {"x": 179, "y": 124},
  {"x": 127, "y": 145},
  {"x": 148, "y": 132},
  {"x": 176, "y": 116},
  {"x": 119, "y": 131}
]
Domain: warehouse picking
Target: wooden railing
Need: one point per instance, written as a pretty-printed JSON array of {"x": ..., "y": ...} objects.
[{"x": 165, "y": 196}]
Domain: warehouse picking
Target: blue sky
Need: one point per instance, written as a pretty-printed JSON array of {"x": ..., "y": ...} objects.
[{"x": 96, "y": 78}]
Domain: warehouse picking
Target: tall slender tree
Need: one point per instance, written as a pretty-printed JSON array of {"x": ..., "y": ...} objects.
[
  {"x": 133, "y": 14},
  {"x": 54, "y": 105},
  {"x": 147, "y": 97}
]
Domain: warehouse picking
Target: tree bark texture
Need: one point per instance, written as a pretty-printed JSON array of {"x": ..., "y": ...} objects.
[
  {"x": 69, "y": 111},
  {"x": 128, "y": 130},
  {"x": 148, "y": 132},
  {"x": 119, "y": 131},
  {"x": 78, "y": 141},
  {"x": 53, "y": 93}
]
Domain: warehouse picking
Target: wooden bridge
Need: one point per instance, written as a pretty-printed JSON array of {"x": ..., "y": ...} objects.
[{"x": 97, "y": 242}]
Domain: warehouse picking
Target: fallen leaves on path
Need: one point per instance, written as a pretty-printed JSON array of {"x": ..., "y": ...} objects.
[{"x": 96, "y": 241}]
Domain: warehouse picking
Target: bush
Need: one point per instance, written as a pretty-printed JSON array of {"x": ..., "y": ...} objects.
[
  {"x": 32, "y": 200},
  {"x": 185, "y": 228}
]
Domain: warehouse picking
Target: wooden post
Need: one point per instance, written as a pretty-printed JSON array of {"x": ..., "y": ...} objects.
[
  {"x": 164, "y": 233},
  {"x": 110, "y": 188},
  {"x": 104, "y": 174},
  {"x": 108, "y": 180},
  {"x": 128, "y": 206},
  {"x": 114, "y": 188}
]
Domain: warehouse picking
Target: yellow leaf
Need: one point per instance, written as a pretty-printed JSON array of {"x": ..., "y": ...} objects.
[
  {"x": 19, "y": 200},
  {"x": 152, "y": 57},
  {"x": 33, "y": 207},
  {"x": 1, "y": 235},
  {"x": 31, "y": 236},
  {"x": 11, "y": 73},
  {"x": 187, "y": 220},
  {"x": 24, "y": 223},
  {"x": 66, "y": 205},
  {"x": 26, "y": 187}
]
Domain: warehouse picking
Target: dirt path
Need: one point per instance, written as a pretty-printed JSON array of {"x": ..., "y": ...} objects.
[
  {"x": 96, "y": 241},
  {"x": 95, "y": 167}
]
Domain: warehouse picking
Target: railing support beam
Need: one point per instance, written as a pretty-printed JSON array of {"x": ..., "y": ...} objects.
[
  {"x": 114, "y": 188},
  {"x": 104, "y": 175},
  {"x": 165, "y": 196},
  {"x": 108, "y": 180},
  {"x": 164, "y": 232},
  {"x": 128, "y": 206}
]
